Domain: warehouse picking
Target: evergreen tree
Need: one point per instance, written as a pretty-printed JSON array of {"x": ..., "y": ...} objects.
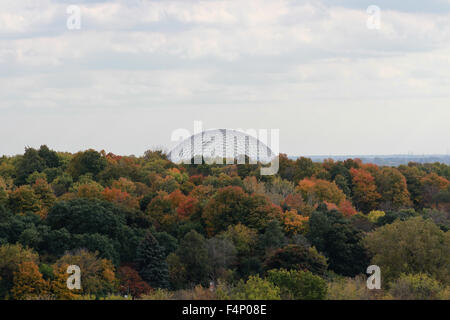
[{"x": 152, "y": 266}]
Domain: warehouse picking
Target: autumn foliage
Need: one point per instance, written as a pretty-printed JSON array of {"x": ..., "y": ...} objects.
[{"x": 147, "y": 228}]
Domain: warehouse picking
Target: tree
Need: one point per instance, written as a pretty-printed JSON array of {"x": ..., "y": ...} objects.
[
  {"x": 412, "y": 246},
  {"x": 24, "y": 199},
  {"x": 278, "y": 189},
  {"x": 27, "y": 228},
  {"x": 120, "y": 197},
  {"x": 89, "y": 161},
  {"x": 11, "y": 256},
  {"x": 162, "y": 212},
  {"x": 374, "y": 215},
  {"x": 297, "y": 257},
  {"x": 335, "y": 237},
  {"x": 222, "y": 255},
  {"x": 351, "y": 289},
  {"x": 177, "y": 271},
  {"x": 391, "y": 216},
  {"x": 61, "y": 184},
  {"x": 231, "y": 205},
  {"x": 58, "y": 285},
  {"x": 28, "y": 282},
  {"x": 364, "y": 189},
  {"x": 3, "y": 192},
  {"x": 151, "y": 262},
  {"x": 97, "y": 275},
  {"x": 45, "y": 194},
  {"x": 294, "y": 201},
  {"x": 49, "y": 157},
  {"x": 243, "y": 238},
  {"x": 193, "y": 254},
  {"x": 226, "y": 207},
  {"x": 318, "y": 190},
  {"x": 415, "y": 287},
  {"x": 432, "y": 184},
  {"x": 125, "y": 185},
  {"x": 96, "y": 242},
  {"x": 413, "y": 178},
  {"x": 391, "y": 184},
  {"x": 252, "y": 185},
  {"x": 344, "y": 184},
  {"x": 167, "y": 242},
  {"x": 287, "y": 167},
  {"x": 347, "y": 209},
  {"x": 131, "y": 282},
  {"x": 294, "y": 223},
  {"x": 304, "y": 168},
  {"x": 29, "y": 163},
  {"x": 272, "y": 238},
  {"x": 80, "y": 216},
  {"x": 188, "y": 207},
  {"x": 255, "y": 288},
  {"x": 298, "y": 285},
  {"x": 92, "y": 216}
]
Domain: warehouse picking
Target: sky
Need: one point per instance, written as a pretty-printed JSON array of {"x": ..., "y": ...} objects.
[{"x": 136, "y": 71}]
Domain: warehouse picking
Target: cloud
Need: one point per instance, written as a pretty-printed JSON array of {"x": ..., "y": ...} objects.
[{"x": 198, "y": 58}]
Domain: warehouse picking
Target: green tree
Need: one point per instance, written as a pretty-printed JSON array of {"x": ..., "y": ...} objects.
[
  {"x": 222, "y": 255},
  {"x": 272, "y": 238},
  {"x": 415, "y": 287},
  {"x": 304, "y": 168},
  {"x": 412, "y": 246},
  {"x": 93, "y": 216},
  {"x": 89, "y": 161},
  {"x": 231, "y": 205},
  {"x": 255, "y": 288},
  {"x": 29, "y": 163},
  {"x": 413, "y": 177},
  {"x": 298, "y": 285},
  {"x": 297, "y": 257},
  {"x": 151, "y": 262},
  {"x": 391, "y": 184},
  {"x": 62, "y": 183},
  {"x": 193, "y": 253},
  {"x": 50, "y": 157},
  {"x": 335, "y": 237}
]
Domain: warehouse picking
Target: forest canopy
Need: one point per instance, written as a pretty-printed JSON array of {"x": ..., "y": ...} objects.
[{"x": 144, "y": 227}]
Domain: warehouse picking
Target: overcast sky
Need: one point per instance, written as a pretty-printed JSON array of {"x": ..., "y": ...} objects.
[{"x": 137, "y": 70}]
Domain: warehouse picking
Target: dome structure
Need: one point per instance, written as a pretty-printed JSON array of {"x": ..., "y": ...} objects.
[{"x": 218, "y": 144}]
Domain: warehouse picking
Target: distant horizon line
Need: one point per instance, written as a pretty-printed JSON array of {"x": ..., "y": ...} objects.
[{"x": 376, "y": 155}]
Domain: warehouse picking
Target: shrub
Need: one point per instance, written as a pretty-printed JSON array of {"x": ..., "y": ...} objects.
[
  {"x": 255, "y": 288},
  {"x": 415, "y": 287},
  {"x": 350, "y": 289},
  {"x": 298, "y": 285}
]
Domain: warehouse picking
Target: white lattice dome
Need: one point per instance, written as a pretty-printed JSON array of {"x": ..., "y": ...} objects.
[{"x": 218, "y": 144}]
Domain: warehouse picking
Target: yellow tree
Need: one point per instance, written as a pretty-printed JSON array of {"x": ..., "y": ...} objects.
[
  {"x": 58, "y": 285},
  {"x": 294, "y": 223},
  {"x": 24, "y": 199},
  {"x": 28, "y": 282},
  {"x": 318, "y": 190},
  {"x": 46, "y": 196}
]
